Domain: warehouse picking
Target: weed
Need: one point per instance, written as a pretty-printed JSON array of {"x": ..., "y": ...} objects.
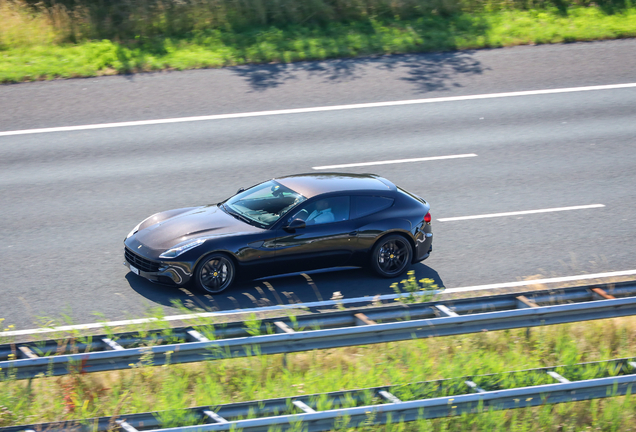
[{"x": 423, "y": 291}]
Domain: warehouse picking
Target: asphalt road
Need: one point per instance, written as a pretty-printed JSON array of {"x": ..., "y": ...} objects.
[{"x": 68, "y": 198}]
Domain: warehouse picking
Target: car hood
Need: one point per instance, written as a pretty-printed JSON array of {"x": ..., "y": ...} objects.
[{"x": 207, "y": 221}]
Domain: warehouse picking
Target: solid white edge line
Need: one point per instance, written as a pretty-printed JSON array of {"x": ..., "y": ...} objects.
[
  {"x": 524, "y": 212},
  {"x": 318, "y": 109},
  {"x": 395, "y": 161},
  {"x": 316, "y": 304}
]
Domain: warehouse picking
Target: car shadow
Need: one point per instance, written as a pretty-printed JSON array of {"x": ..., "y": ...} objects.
[{"x": 349, "y": 282}]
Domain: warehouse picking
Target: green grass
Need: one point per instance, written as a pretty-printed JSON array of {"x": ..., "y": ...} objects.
[
  {"x": 175, "y": 387},
  {"x": 29, "y": 51}
]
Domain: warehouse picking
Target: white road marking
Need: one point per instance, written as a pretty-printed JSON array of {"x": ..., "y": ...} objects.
[
  {"x": 542, "y": 281},
  {"x": 366, "y": 299},
  {"x": 517, "y": 213},
  {"x": 318, "y": 109},
  {"x": 395, "y": 161}
]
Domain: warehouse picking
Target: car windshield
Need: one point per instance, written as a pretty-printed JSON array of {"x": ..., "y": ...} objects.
[{"x": 263, "y": 204}]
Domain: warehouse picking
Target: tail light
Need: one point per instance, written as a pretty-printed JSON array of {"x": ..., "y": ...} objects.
[{"x": 427, "y": 218}]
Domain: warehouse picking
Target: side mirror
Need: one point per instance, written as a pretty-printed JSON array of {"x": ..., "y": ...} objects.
[
  {"x": 296, "y": 224},
  {"x": 240, "y": 190}
]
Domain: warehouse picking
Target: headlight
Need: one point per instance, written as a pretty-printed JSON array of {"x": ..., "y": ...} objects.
[{"x": 176, "y": 251}]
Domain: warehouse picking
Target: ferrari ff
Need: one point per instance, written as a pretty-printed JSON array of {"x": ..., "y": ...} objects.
[{"x": 284, "y": 225}]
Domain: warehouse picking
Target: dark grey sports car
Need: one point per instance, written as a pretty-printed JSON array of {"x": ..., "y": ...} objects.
[{"x": 284, "y": 225}]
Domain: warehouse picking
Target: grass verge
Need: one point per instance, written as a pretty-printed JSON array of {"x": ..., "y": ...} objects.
[
  {"x": 175, "y": 387},
  {"x": 30, "y": 49}
]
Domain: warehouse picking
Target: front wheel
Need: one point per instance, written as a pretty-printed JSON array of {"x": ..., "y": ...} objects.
[
  {"x": 391, "y": 256},
  {"x": 215, "y": 273}
]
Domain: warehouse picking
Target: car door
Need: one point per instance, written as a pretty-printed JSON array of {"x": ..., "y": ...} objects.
[{"x": 327, "y": 240}]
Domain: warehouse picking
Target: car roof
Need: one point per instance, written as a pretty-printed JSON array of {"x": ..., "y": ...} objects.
[{"x": 312, "y": 184}]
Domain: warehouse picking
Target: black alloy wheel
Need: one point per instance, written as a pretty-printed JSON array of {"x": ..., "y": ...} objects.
[
  {"x": 391, "y": 256},
  {"x": 215, "y": 273}
]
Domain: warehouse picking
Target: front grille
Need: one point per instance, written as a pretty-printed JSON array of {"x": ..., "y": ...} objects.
[{"x": 140, "y": 262}]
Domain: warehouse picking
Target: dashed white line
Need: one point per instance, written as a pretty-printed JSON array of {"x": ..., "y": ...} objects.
[
  {"x": 318, "y": 109},
  {"x": 517, "y": 213},
  {"x": 395, "y": 161},
  {"x": 314, "y": 304}
]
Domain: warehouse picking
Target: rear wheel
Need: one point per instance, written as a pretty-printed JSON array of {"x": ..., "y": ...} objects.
[
  {"x": 391, "y": 256},
  {"x": 215, "y": 273}
]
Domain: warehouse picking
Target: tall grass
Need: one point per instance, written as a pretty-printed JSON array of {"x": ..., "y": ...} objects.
[
  {"x": 225, "y": 47},
  {"x": 127, "y": 20},
  {"x": 72, "y": 38},
  {"x": 175, "y": 387}
]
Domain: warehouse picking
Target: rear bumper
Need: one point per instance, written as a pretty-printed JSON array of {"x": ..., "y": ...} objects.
[{"x": 423, "y": 243}]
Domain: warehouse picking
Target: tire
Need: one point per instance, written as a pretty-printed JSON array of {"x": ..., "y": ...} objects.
[
  {"x": 391, "y": 256},
  {"x": 215, "y": 273}
]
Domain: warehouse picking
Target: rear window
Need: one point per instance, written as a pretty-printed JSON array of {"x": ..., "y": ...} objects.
[{"x": 366, "y": 205}]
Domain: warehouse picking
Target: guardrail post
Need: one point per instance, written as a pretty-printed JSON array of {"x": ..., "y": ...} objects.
[
  {"x": 558, "y": 377},
  {"x": 445, "y": 311},
  {"x": 111, "y": 344},
  {"x": 214, "y": 416},
  {"x": 389, "y": 396},
  {"x": 473, "y": 385},
  {"x": 195, "y": 336},
  {"x": 524, "y": 302},
  {"x": 126, "y": 426},
  {"x": 362, "y": 319},
  {"x": 281, "y": 327},
  {"x": 602, "y": 294},
  {"x": 303, "y": 406},
  {"x": 25, "y": 352}
]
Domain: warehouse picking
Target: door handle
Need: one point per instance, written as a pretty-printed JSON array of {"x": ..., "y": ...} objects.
[{"x": 353, "y": 233}]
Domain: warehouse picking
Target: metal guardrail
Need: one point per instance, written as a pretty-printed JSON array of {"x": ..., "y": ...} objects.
[
  {"x": 379, "y": 405},
  {"x": 330, "y": 330}
]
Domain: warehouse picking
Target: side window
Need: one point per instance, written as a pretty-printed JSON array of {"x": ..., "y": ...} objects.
[
  {"x": 326, "y": 210},
  {"x": 366, "y": 205}
]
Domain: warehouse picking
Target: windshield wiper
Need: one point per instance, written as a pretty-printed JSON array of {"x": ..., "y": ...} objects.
[{"x": 237, "y": 215}]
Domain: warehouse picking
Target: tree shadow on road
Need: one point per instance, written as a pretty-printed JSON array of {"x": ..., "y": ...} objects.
[
  {"x": 288, "y": 289},
  {"x": 427, "y": 72},
  {"x": 429, "y": 57}
]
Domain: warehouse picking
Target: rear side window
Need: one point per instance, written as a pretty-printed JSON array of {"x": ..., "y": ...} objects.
[{"x": 366, "y": 205}]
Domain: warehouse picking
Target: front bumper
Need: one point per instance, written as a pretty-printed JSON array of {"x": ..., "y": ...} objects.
[{"x": 169, "y": 273}]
